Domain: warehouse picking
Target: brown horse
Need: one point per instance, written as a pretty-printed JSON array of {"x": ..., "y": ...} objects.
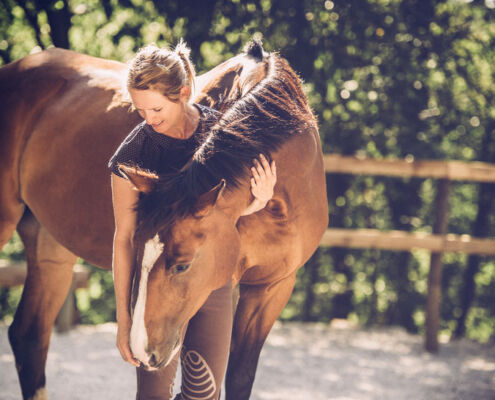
[{"x": 62, "y": 115}]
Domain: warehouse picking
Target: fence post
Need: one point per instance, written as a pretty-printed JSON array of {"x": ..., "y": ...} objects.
[{"x": 435, "y": 275}]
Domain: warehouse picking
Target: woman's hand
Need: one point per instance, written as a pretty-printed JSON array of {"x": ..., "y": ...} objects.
[
  {"x": 264, "y": 179},
  {"x": 123, "y": 339},
  {"x": 262, "y": 183}
]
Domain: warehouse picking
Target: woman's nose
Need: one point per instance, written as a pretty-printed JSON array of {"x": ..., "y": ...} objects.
[{"x": 150, "y": 118}]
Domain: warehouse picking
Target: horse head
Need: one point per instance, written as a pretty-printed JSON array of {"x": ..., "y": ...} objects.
[{"x": 179, "y": 266}]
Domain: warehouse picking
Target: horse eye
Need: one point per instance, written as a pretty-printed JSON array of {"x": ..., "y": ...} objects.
[{"x": 180, "y": 268}]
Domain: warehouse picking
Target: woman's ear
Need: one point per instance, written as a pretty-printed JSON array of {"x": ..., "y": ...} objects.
[{"x": 185, "y": 93}]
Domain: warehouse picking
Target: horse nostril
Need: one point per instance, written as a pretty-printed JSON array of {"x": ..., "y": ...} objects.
[{"x": 153, "y": 361}]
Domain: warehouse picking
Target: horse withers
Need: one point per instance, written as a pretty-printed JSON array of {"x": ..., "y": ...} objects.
[{"x": 63, "y": 115}]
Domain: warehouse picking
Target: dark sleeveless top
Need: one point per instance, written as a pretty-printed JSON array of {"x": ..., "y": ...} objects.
[{"x": 160, "y": 153}]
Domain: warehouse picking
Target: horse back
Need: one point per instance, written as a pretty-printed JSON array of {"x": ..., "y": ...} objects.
[
  {"x": 34, "y": 83},
  {"x": 30, "y": 84},
  {"x": 62, "y": 115}
]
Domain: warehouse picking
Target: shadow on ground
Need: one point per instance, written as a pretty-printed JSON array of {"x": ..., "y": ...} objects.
[{"x": 299, "y": 362}]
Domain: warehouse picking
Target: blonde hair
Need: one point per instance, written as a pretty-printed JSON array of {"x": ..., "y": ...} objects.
[{"x": 162, "y": 69}]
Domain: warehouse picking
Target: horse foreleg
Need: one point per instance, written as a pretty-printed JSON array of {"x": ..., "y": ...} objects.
[
  {"x": 48, "y": 280},
  {"x": 258, "y": 309}
]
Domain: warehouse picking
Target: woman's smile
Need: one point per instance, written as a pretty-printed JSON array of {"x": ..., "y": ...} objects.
[{"x": 157, "y": 125}]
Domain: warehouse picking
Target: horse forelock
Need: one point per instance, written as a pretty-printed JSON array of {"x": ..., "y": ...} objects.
[{"x": 275, "y": 109}]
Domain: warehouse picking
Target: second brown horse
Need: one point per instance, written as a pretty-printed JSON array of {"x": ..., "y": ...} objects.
[{"x": 62, "y": 115}]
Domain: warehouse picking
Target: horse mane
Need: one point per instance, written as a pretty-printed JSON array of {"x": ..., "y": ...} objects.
[{"x": 259, "y": 122}]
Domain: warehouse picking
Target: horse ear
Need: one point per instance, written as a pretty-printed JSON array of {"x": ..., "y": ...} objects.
[
  {"x": 207, "y": 201},
  {"x": 142, "y": 180}
]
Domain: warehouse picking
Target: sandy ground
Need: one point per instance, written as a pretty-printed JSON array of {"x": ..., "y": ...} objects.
[{"x": 299, "y": 362}]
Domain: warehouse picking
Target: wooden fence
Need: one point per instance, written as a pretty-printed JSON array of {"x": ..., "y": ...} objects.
[
  {"x": 14, "y": 274},
  {"x": 438, "y": 242}
]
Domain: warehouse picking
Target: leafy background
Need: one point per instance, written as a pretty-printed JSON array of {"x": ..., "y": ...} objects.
[{"x": 406, "y": 79}]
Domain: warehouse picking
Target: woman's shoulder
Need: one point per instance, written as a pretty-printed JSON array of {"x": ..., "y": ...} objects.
[{"x": 130, "y": 148}]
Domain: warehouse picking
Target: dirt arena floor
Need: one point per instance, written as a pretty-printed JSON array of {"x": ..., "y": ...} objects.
[{"x": 299, "y": 362}]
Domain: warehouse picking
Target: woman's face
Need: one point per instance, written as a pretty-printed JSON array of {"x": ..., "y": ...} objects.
[{"x": 164, "y": 115}]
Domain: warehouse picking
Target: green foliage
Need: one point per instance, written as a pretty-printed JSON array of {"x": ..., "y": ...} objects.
[
  {"x": 9, "y": 297},
  {"x": 387, "y": 79},
  {"x": 96, "y": 304}
]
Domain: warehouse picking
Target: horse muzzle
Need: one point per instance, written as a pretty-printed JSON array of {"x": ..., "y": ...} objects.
[{"x": 160, "y": 356}]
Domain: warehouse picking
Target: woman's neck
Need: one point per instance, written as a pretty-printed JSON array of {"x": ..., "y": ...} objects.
[{"x": 187, "y": 125}]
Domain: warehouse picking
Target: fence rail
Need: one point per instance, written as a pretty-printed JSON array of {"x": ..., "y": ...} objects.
[
  {"x": 438, "y": 242},
  {"x": 400, "y": 241},
  {"x": 450, "y": 170}
]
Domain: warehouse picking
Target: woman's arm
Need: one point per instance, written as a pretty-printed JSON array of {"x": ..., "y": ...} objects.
[
  {"x": 262, "y": 183},
  {"x": 124, "y": 198}
]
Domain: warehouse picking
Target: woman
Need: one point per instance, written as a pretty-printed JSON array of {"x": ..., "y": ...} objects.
[{"x": 159, "y": 83}]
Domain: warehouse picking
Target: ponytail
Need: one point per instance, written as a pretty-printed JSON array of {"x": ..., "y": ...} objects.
[{"x": 183, "y": 52}]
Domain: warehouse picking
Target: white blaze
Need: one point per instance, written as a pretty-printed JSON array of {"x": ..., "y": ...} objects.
[
  {"x": 40, "y": 394},
  {"x": 139, "y": 338}
]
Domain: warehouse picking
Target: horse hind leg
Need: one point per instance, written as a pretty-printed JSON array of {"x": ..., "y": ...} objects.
[
  {"x": 258, "y": 308},
  {"x": 48, "y": 280}
]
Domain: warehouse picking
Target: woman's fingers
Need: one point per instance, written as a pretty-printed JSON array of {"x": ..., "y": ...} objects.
[
  {"x": 264, "y": 162},
  {"x": 269, "y": 169},
  {"x": 255, "y": 173},
  {"x": 127, "y": 355},
  {"x": 273, "y": 168},
  {"x": 264, "y": 176},
  {"x": 124, "y": 348},
  {"x": 260, "y": 169},
  {"x": 263, "y": 179}
]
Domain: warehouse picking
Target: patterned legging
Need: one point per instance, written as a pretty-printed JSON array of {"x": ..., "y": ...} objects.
[{"x": 203, "y": 357}]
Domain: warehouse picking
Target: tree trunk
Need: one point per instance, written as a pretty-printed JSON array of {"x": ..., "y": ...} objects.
[{"x": 60, "y": 23}]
